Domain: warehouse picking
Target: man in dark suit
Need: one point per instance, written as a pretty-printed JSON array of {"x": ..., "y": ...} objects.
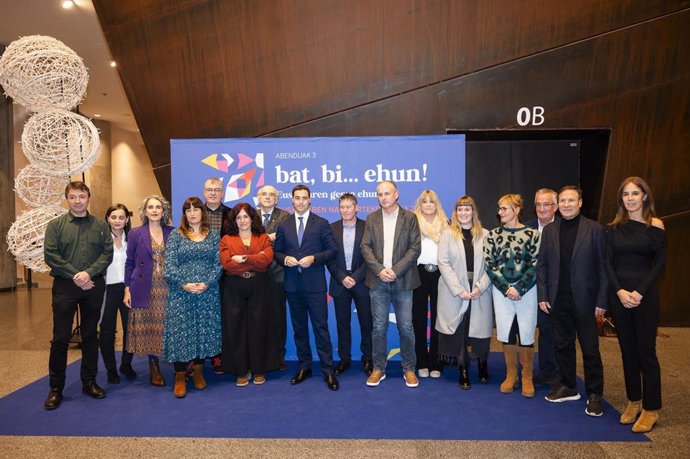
[
  {"x": 272, "y": 216},
  {"x": 390, "y": 247},
  {"x": 348, "y": 272},
  {"x": 304, "y": 244},
  {"x": 545, "y": 204},
  {"x": 572, "y": 287}
]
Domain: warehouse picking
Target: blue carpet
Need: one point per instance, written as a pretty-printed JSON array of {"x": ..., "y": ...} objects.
[{"x": 437, "y": 409}]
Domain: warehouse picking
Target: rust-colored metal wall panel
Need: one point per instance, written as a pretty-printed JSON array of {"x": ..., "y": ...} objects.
[
  {"x": 248, "y": 67},
  {"x": 672, "y": 288}
]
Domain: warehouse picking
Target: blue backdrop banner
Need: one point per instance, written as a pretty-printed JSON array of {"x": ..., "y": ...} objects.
[{"x": 329, "y": 166}]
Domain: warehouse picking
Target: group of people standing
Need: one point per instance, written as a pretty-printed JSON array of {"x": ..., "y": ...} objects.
[{"x": 216, "y": 288}]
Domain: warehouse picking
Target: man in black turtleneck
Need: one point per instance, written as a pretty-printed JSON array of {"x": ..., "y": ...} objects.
[{"x": 571, "y": 288}]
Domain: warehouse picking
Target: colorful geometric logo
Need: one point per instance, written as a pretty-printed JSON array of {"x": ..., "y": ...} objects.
[{"x": 247, "y": 172}]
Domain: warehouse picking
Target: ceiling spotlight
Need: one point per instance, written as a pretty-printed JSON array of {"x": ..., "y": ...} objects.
[
  {"x": 67, "y": 4},
  {"x": 113, "y": 64},
  {"x": 96, "y": 115}
]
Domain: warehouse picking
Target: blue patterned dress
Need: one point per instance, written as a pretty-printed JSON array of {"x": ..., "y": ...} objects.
[{"x": 192, "y": 321}]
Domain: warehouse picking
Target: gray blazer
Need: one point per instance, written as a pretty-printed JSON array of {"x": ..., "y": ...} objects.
[
  {"x": 275, "y": 270},
  {"x": 453, "y": 281},
  {"x": 407, "y": 245}
]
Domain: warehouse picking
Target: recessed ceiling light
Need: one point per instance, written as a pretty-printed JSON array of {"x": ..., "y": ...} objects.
[
  {"x": 96, "y": 115},
  {"x": 67, "y": 4},
  {"x": 113, "y": 64}
]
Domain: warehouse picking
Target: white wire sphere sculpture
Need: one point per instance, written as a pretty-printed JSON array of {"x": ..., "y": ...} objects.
[
  {"x": 42, "y": 72},
  {"x": 36, "y": 188},
  {"x": 26, "y": 236},
  {"x": 61, "y": 143}
]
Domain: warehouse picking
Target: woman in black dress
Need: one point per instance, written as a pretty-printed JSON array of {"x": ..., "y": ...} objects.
[{"x": 636, "y": 256}]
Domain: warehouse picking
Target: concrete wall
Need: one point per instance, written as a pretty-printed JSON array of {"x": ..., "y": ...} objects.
[{"x": 131, "y": 171}]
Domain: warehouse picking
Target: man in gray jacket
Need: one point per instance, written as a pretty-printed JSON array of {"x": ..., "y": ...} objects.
[{"x": 390, "y": 247}]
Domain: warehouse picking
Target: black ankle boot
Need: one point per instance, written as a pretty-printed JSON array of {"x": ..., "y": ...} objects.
[
  {"x": 483, "y": 371},
  {"x": 464, "y": 382}
]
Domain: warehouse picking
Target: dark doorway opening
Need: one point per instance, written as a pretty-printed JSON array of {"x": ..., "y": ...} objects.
[{"x": 522, "y": 161}]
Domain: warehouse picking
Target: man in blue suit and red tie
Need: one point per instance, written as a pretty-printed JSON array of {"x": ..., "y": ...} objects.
[{"x": 304, "y": 245}]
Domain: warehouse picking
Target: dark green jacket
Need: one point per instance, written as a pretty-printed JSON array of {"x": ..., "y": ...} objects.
[{"x": 75, "y": 244}]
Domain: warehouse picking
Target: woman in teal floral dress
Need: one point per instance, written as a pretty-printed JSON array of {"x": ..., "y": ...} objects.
[{"x": 192, "y": 318}]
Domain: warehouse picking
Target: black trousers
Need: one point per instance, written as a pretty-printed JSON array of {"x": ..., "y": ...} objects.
[
  {"x": 280, "y": 307},
  {"x": 424, "y": 298},
  {"x": 343, "y": 316},
  {"x": 66, "y": 297},
  {"x": 548, "y": 366},
  {"x": 108, "y": 329},
  {"x": 570, "y": 323},
  {"x": 249, "y": 337},
  {"x": 636, "y": 329}
]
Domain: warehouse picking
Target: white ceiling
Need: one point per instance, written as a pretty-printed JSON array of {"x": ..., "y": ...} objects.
[{"x": 79, "y": 29}]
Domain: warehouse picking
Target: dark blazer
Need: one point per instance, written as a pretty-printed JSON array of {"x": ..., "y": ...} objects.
[
  {"x": 337, "y": 266},
  {"x": 139, "y": 264},
  {"x": 407, "y": 245},
  {"x": 317, "y": 240},
  {"x": 277, "y": 217},
  {"x": 587, "y": 271},
  {"x": 534, "y": 222}
]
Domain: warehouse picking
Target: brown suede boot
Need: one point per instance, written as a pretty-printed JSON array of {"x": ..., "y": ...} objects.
[
  {"x": 646, "y": 421},
  {"x": 155, "y": 375},
  {"x": 511, "y": 381},
  {"x": 527, "y": 362},
  {"x": 180, "y": 389},
  {"x": 631, "y": 411},
  {"x": 199, "y": 381}
]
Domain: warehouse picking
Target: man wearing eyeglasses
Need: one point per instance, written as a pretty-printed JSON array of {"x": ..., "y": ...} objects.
[
  {"x": 545, "y": 205},
  {"x": 271, "y": 217},
  {"x": 216, "y": 211}
]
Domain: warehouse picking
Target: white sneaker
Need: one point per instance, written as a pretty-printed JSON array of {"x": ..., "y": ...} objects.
[
  {"x": 435, "y": 374},
  {"x": 423, "y": 372}
]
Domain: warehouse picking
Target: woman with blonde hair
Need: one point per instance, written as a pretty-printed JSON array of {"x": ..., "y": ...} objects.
[
  {"x": 192, "y": 319},
  {"x": 510, "y": 253},
  {"x": 432, "y": 223},
  {"x": 465, "y": 306},
  {"x": 635, "y": 258},
  {"x": 146, "y": 291}
]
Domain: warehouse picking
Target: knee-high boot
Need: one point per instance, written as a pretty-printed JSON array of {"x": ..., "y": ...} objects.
[
  {"x": 527, "y": 362},
  {"x": 511, "y": 382}
]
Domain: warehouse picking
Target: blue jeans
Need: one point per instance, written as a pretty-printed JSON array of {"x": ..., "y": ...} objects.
[{"x": 382, "y": 296}]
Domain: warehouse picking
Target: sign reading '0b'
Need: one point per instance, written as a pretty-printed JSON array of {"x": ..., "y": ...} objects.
[{"x": 533, "y": 116}]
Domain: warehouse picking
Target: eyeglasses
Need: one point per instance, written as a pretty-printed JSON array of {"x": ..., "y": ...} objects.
[
  {"x": 213, "y": 190},
  {"x": 503, "y": 209},
  {"x": 544, "y": 205}
]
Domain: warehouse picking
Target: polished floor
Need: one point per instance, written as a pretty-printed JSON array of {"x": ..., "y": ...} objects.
[{"x": 25, "y": 330}]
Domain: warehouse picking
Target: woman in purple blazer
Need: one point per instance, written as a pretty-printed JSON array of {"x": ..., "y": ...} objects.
[{"x": 146, "y": 291}]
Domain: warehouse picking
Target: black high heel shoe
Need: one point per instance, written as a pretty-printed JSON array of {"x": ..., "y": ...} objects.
[
  {"x": 464, "y": 381},
  {"x": 483, "y": 372}
]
